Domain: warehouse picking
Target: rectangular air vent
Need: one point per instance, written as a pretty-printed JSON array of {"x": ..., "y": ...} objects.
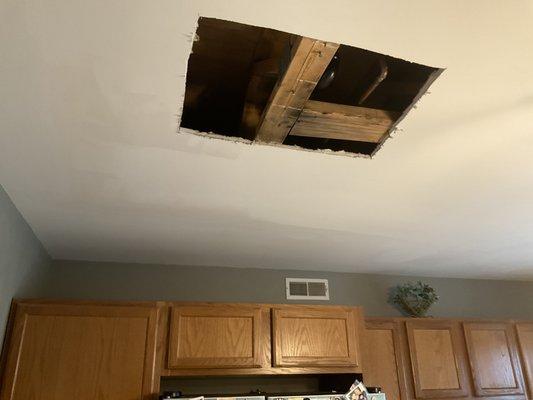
[{"x": 307, "y": 289}]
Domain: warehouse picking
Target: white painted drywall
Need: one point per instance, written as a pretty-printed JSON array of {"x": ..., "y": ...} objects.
[{"x": 90, "y": 154}]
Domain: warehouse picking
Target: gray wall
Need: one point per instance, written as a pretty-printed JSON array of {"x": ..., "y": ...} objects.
[
  {"x": 112, "y": 281},
  {"x": 23, "y": 261}
]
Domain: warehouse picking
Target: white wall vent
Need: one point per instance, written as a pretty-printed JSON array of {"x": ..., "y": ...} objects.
[{"x": 307, "y": 289}]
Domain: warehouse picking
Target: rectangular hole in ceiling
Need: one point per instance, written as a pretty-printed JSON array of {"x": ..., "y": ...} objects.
[{"x": 275, "y": 87}]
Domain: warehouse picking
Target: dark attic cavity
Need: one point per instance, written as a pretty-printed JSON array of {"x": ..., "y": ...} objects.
[{"x": 269, "y": 86}]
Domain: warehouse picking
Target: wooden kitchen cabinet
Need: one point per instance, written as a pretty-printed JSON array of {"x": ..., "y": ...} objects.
[
  {"x": 60, "y": 351},
  {"x": 493, "y": 356},
  {"x": 217, "y": 336},
  {"x": 381, "y": 349},
  {"x": 84, "y": 350},
  {"x": 312, "y": 336},
  {"x": 438, "y": 359},
  {"x": 525, "y": 343}
]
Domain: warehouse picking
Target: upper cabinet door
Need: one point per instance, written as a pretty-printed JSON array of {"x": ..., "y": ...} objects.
[
  {"x": 81, "y": 351},
  {"x": 493, "y": 359},
  {"x": 382, "y": 357},
  {"x": 216, "y": 336},
  {"x": 437, "y": 359},
  {"x": 307, "y": 336},
  {"x": 525, "y": 341}
]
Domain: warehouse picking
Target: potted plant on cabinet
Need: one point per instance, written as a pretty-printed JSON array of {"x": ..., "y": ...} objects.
[{"x": 414, "y": 299}]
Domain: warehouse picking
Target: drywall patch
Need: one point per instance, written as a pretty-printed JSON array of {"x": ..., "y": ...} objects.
[{"x": 257, "y": 85}]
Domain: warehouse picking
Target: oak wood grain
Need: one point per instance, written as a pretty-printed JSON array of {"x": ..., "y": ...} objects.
[
  {"x": 525, "y": 342},
  {"x": 266, "y": 349},
  {"x": 437, "y": 359},
  {"x": 7, "y": 340},
  {"x": 493, "y": 356},
  {"x": 216, "y": 336},
  {"x": 60, "y": 351},
  {"x": 315, "y": 337},
  {"x": 382, "y": 357},
  {"x": 436, "y": 344}
]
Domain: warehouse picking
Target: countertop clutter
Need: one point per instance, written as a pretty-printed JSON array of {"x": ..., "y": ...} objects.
[
  {"x": 356, "y": 391},
  {"x": 122, "y": 350}
]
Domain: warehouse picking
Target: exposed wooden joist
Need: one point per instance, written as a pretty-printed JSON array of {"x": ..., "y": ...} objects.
[
  {"x": 337, "y": 121},
  {"x": 309, "y": 59},
  {"x": 264, "y": 73}
]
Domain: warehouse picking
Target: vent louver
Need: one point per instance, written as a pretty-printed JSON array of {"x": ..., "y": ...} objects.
[{"x": 307, "y": 289}]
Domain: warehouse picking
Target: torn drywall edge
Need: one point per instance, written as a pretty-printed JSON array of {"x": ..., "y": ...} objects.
[
  {"x": 333, "y": 38},
  {"x": 422, "y": 92},
  {"x": 183, "y": 78},
  {"x": 193, "y": 36},
  {"x": 239, "y": 140}
]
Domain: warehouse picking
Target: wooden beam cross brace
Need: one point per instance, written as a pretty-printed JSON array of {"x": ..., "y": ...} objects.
[
  {"x": 337, "y": 121},
  {"x": 309, "y": 60}
]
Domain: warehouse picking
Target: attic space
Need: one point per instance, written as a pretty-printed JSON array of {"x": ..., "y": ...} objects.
[{"x": 268, "y": 86}]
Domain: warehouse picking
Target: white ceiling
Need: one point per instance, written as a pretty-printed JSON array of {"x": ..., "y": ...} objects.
[{"x": 90, "y": 154}]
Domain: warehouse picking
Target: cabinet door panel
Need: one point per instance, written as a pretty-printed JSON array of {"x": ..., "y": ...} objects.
[
  {"x": 525, "y": 341},
  {"x": 382, "y": 358},
  {"x": 305, "y": 336},
  {"x": 493, "y": 359},
  {"x": 81, "y": 352},
  {"x": 437, "y": 359},
  {"x": 217, "y": 336}
]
